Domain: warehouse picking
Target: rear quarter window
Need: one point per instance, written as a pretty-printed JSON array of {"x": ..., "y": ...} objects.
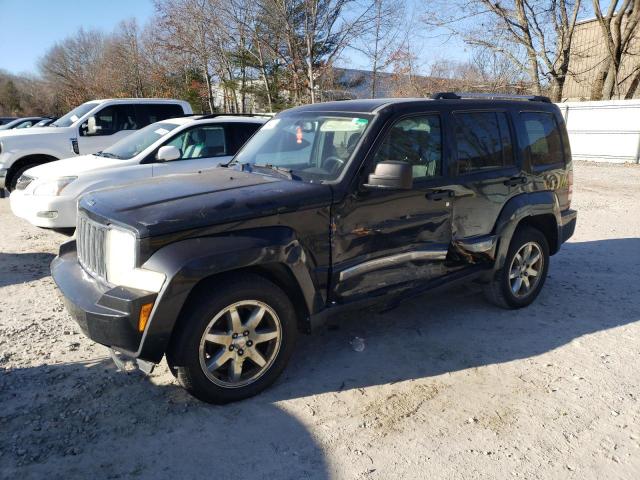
[{"x": 542, "y": 142}]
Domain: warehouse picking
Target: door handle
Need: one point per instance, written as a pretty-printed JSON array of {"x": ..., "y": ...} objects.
[
  {"x": 514, "y": 181},
  {"x": 440, "y": 194}
]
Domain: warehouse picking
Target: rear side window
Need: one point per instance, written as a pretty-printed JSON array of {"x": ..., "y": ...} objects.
[
  {"x": 542, "y": 142},
  {"x": 154, "y": 113},
  {"x": 483, "y": 141},
  {"x": 239, "y": 133}
]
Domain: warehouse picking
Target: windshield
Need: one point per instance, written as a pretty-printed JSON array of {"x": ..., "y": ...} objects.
[
  {"x": 315, "y": 147},
  {"x": 73, "y": 116},
  {"x": 135, "y": 143}
]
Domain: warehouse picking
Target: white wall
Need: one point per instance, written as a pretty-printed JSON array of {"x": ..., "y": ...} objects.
[{"x": 605, "y": 131}]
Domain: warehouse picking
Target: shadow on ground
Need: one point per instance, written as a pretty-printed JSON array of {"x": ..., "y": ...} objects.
[
  {"x": 18, "y": 268},
  {"x": 593, "y": 286}
]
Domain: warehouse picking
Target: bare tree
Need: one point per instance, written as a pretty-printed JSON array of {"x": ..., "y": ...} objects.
[
  {"x": 382, "y": 39},
  {"x": 618, "y": 26},
  {"x": 535, "y": 35}
]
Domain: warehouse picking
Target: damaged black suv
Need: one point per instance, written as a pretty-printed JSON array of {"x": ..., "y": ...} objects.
[{"x": 329, "y": 205}]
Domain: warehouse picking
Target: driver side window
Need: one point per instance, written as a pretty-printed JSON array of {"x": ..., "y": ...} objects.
[
  {"x": 201, "y": 142},
  {"x": 417, "y": 141}
]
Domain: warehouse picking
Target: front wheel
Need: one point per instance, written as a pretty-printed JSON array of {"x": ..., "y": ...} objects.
[
  {"x": 521, "y": 278},
  {"x": 235, "y": 342}
]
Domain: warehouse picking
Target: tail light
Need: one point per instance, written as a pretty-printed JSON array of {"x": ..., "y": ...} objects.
[{"x": 570, "y": 189}]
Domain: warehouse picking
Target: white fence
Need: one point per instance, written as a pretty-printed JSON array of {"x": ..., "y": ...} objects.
[{"x": 606, "y": 131}]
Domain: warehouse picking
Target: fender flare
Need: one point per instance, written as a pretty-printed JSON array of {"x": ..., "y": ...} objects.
[
  {"x": 187, "y": 262},
  {"x": 517, "y": 209}
]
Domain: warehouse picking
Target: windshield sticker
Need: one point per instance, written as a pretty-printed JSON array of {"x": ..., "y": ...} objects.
[
  {"x": 343, "y": 125},
  {"x": 161, "y": 131},
  {"x": 74, "y": 118},
  {"x": 271, "y": 124},
  {"x": 361, "y": 122}
]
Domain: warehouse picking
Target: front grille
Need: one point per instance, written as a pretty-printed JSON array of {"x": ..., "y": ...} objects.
[
  {"x": 23, "y": 182},
  {"x": 91, "y": 238}
]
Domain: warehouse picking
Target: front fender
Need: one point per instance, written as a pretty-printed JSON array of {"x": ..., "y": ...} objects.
[
  {"x": 187, "y": 262},
  {"x": 514, "y": 211}
]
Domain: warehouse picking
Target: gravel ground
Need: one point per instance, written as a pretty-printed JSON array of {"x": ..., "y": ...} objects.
[{"x": 447, "y": 387}]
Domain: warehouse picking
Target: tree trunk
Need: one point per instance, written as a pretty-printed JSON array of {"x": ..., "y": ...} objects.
[
  {"x": 598, "y": 82},
  {"x": 633, "y": 87},
  {"x": 557, "y": 85},
  {"x": 209, "y": 92}
]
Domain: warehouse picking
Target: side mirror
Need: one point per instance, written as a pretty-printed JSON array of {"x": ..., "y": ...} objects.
[
  {"x": 391, "y": 175},
  {"x": 168, "y": 153},
  {"x": 92, "y": 128}
]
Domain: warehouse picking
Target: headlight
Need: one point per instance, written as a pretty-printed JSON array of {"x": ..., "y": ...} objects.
[
  {"x": 121, "y": 250},
  {"x": 52, "y": 188}
]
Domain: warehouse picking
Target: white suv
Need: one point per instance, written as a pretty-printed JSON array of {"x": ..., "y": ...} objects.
[
  {"x": 89, "y": 128},
  {"x": 47, "y": 195}
]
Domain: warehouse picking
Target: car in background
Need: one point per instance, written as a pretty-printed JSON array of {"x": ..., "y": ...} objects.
[
  {"x": 5, "y": 120},
  {"x": 89, "y": 128},
  {"x": 24, "y": 122},
  {"x": 46, "y": 121},
  {"x": 47, "y": 195}
]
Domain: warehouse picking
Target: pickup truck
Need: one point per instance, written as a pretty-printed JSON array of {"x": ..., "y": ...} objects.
[{"x": 89, "y": 128}]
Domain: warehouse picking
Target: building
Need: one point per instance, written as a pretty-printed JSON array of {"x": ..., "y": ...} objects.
[{"x": 588, "y": 53}]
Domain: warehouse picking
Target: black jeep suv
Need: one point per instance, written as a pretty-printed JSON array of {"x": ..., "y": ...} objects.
[{"x": 327, "y": 206}]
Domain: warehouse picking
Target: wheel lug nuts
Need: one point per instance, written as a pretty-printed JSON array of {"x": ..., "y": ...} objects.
[
  {"x": 231, "y": 347},
  {"x": 235, "y": 335},
  {"x": 246, "y": 333},
  {"x": 249, "y": 343},
  {"x": 240, "y": 352}
]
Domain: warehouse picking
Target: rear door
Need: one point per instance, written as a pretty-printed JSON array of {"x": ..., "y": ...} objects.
[
  {"x": 485, "y": 167},
  {"x": 387, "y": 239}
]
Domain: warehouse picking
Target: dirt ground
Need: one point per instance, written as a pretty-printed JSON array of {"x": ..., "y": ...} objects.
[{"x": 447, "y": 387}]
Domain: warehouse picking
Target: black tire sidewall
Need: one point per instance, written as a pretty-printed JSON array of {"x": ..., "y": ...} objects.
[
  {"x": 183, "y": 354},
  {"x": 13, "y": 179},
  {"x": 523, "y": 235}
]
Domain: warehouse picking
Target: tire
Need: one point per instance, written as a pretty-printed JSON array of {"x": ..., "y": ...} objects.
[
  {"x": 500, "y": 291},
  {"x": 13, "y": 179},
  {"x": 190, "y": 352}
]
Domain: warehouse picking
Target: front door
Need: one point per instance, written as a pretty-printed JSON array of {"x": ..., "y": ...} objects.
[
  {"x": 113, "y": 123},
  {"x": 387, "y": 239},
  {"x": 201, "y": 147}
]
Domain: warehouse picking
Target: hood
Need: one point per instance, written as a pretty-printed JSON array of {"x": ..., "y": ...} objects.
[
  {"x": 74, "y": 166},
  {"x": 26, "y": 132},
  {"x": 174, "y": 203}
]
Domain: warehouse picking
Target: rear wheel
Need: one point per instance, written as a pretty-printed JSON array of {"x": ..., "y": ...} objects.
[
  {"x": 236, "y": 342},
  {"x": 521, "y": 278}
]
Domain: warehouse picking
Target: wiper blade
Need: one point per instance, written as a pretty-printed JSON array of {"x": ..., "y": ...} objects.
[
  {"x": 285, "y": 172},
  {"x": 107, "y": 155}
]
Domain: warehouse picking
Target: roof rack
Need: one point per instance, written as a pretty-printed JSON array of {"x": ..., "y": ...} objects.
[{"x": 489, "y": 96}]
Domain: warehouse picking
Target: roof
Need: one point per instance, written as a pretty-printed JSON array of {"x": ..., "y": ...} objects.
[
  {"x": 373, "y": 105},
  {"x": 137, "y": 100},
  {"x": 221, "y": 119}
]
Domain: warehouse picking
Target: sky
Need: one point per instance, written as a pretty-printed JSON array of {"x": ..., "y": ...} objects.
[{"x": 31, "y": 27}]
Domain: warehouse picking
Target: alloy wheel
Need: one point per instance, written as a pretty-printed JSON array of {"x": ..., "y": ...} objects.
[
  {"x": 240, "y": 343},
  {"x": 526, "y": 269}
]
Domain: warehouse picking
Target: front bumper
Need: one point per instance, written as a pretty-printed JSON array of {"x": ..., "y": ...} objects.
[
  {"x": 47, "y": 212},
  {"x": 107, "y": 315},
  {"x": 3, "y": 177},
  {"x": 567, "y": 227}
]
